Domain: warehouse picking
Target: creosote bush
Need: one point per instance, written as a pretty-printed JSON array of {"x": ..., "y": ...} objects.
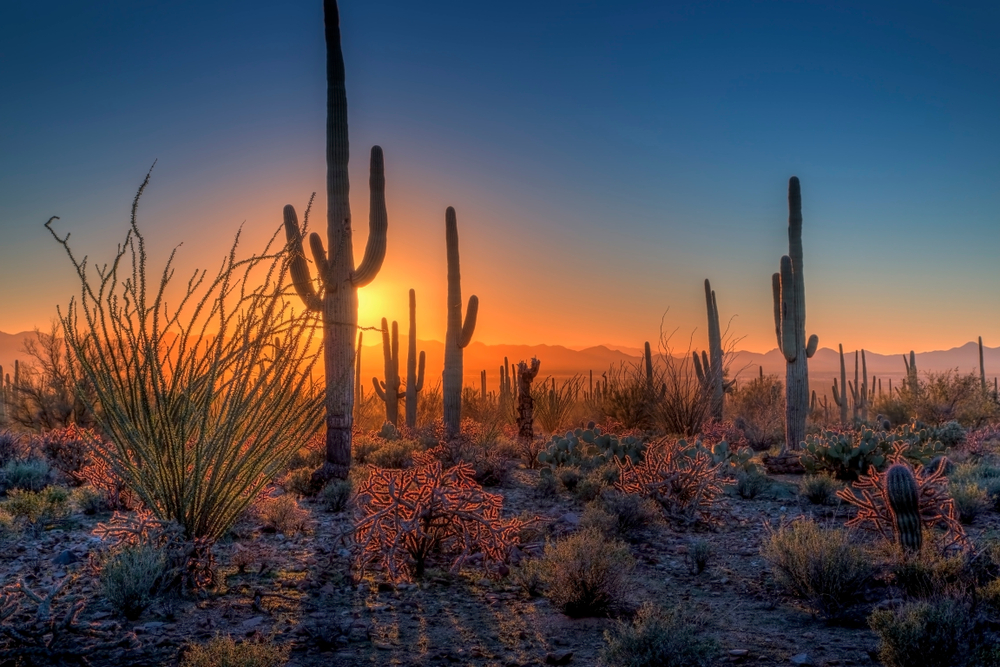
[
  {"x": 204, "y": 391},
  {"x": 36, "y": 509},
  {"x": 283, "y": 515},
  {"x": 223, "y": 651},
  {"x": 819, "y": 489},
  {"x": 130, "y": 578},
  {"x": 26, "y": 474},
  {"x": 821, "y": 566},
  {"x": 937, "y": 633},
  {"x": 699, "y": 551},
  {"x": 658, "y": 639},
  {"x": 336, "y": 495},
  {"x": 586, "y": 574}
]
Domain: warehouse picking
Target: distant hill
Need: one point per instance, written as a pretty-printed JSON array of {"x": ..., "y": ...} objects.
[{"x": 561, "y": 362}]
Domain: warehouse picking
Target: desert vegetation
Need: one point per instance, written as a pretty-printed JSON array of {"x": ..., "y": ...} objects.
[{"x": 176, "y": 488}]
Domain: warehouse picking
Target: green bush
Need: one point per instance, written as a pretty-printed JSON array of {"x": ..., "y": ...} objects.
[
  {"x": 131, "y": 577},
  {"x": 929, "y": 634},
  {"x": 929, "y": 574},
  {"x": 751, "y": 483},
  {"x": 336, "y": 495},
  {"x": 595, "y": 517},
  {"x": 821, "y": 566},
  {"x": 394, "y": 454},
  {"x": 586, "y": 574},
  {"x": 631, "y": 511},
  {"x": 222, "y": 651},
  {"x": 658, "y": 639},
  {"x": 37, "y": 509},
  {"x": 818, "y": 489},
  {"x": 297, "y": 482},
  {"x": 89, "y": 500},
  {"x": 698, "y": 553},
  {"x": 26, "y": 474},
  {"x": 970, "y": 500}
]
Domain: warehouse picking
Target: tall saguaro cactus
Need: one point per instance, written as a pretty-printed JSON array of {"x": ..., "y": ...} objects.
[
  {"x": 840, "y": 396},
  {"x": 414, "y": 377},
  {"x": 388, "y": 390},
  {"x": 458, "y": 334},
  {"x": 337, "y": 298},
  {"x": 790, "y": 324},
  {"x": 982, "y": 366},
  {"x": 709, "y": 369}
]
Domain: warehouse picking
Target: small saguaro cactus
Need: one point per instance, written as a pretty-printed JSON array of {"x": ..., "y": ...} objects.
[
  {"x": 458, "y": 334},
  {"x": 789, "y": 291},
  {"x": 709, "y": 369},
  {"x": 911, "y": 372},
  {"x": 902, "y": 495},
  {"x": 414, "y": 376},
  {"x": 840, "y": 395},
  {"x": 388, "y": 390},
  {"x": 337, "y": 298}
]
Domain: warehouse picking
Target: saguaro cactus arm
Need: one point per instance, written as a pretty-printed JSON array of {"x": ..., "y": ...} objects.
[
  {"x": 299, "y": 268},
  {"x": 471, "y": 313},
  {"x": 377, "y": 224}
]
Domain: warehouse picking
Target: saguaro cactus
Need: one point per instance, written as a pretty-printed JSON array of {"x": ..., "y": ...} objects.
[
  {"x": 902, "y": 494},
  {"x": 337, "y": 298},
  {"x": 790, "y": 324},
  {"x": 911, "y": 372},
  {"x": 414, "y": 377},
  {"x": 709, "y": 368},
  {"x": 388, "y": 390},
  {"x": 840, "y": 396},
  {"x": 458, "y": 334},
  {"x": 860, "y": 392},
  {"x": 525, "y": 404},
  {"x": 982, "y": 366}
]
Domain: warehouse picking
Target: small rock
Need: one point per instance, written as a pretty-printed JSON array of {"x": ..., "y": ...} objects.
[
  {"x": 739, "y": 653},
  {"x": 67, "y": 557},
  {"x": 802, "y": 660},
  {"x": 249, "y": 624},
  {"x": 559, "y": 658}
]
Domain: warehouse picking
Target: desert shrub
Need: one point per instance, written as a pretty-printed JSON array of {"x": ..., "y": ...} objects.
[
  {"x": 586, "y": 574},
  {"x": 336, "y": 495},
  {"x": 297, "y": 481},
  {"x": 625, "y": 397},
  {"x": 363, "y": 445},
  {"x": 589, "y": 487},
  {"x": 848, "y": 454},
  {"x": 529, "y": 577},
  {"x": 821, "y": 566},
  {"x": 131, "y": 577},
  {"x": 69, "y": 449},
  {"x": 36, "y": 509},
  {"x": 930, "y": 574},
  {"x": 553, "y": 405},
  {"x": 631, "y": 512},
  {"x": 818, "y": 489},
  {"x": 750, "y": 483},
  {"x": 684, "y": 486},
  {"x": 569, "y": 478},
  {"x": 406, "y": 516},
  {"x": 951, "y": 434},
  {"x": 970, "y": 500},
  {"x": 89, "y": 500},
  {"x": 198, "y": 425},
  {"x": 594, "y": 517},
  {"x": 491, "y": 467},
  {"x": 758, "y": 409},
  {"x": 698, "y": 553},
  {"x": 658, "y": 639},
  {"x": 928, "y": 633},
  {"x": 11, "y": 446},
  {"x": 394, "y": 454},
  {"x": 223, "y": 651},
  {"x": 546, "y": 486},
  {"x": 26, "y": 474},
  {"x": 935, "y": 507},
  {"x": 283, "y": 515},
  {"x": 951, "y": 395}
]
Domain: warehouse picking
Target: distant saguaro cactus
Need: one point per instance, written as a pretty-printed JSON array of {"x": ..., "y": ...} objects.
[
  {"x": 709, "y": 369},
  {"x": 337, "y": 299},
  {"x": 861, "y": 395},
  {"x": 840, "y": 396},
  {"x": 414, "y": 377},
  {"x": 525, "y": 404},
  {"x": 901, "y": 492},
  {"x": 911, "y": 372},
  {"x": 388, "y": 390},
  {"x": 982, "y": 366},
  {"x": 789, "y": 291},
  {"x": 458, "y": 334}
]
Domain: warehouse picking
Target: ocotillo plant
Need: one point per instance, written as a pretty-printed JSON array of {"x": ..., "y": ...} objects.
[
  {"x": 911, "y": 372},
  {"x": 789, "y": 291},
  {"x": 388, "y": 390},
  {"x": 840, "y": 396},
  {"x": 337, "y": 298},
  {"x": 525, "y": 404},
  {"x": 459, "y": 334},
  {"x": 414, "y": 376}
]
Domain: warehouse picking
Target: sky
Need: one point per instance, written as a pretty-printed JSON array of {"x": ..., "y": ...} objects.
[{"x": 604, "y": 158}]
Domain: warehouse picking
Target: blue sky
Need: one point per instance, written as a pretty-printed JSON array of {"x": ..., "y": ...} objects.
[{"x": 604, "y": 157}]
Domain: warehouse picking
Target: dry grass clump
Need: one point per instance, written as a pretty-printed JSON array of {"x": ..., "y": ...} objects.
[
  {"x": 823, "y": 567},
  {"x": 630, "y": 512},
  {"x": 131, "y": 577},
  {"x": 336, "y": 495},
  {"x": 283, "y": 515},
  {"x": 657, "y": 638},
  {"x": 699, "y": 552},
  {"x": 930, "y": 574},
  {"x": 586, "y": 574},
  {"x": 819, "y": 489},
  {"x": 970, "y": 500},
  {"x": 222, "y": 651}
]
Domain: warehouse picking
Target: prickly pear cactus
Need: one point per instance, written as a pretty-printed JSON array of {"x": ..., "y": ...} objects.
[
  {"x": 590, "y": 448},
  {"x": 731, "y": 460},
  {"x": 901, "y": 492},
  {"x": 848, "y": 454},
  {"x": 389, "y": 432}
]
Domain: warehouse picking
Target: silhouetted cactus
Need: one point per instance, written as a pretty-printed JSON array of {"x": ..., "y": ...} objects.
[
  {"x": 709, "y": 368},
  {"x": 982, "y": 366},
  {"x": 459, "y": 334},
  {"x": 901, "y": 492},
  {"x": 840, "y": 396},
  {"x": 414, "y": 374},
  {"x": 337, "y": 298},
  {"x": 861, "y": 394},
  {"x": 911, "y": 372},
  {"x": 388, "y": 390},
  {"x": 789, "y": 291}
]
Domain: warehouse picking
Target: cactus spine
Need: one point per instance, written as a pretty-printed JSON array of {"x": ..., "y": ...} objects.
[
  {"x": 337, "y": 298},
  {"x": 709, "y": 369},
  {"x": 459, "y": 334},
  {"x": 414, "y": 376},
  {"x": 388, "y": 390},
  {"x": 788, "y": 287},
  {"x": 903, "y": 496}
]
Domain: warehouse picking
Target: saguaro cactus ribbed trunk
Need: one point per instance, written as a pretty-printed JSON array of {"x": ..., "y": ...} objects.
[
  {"x": 709, "y": 368},
  {"x": 790, "y": 324},
  {"x": 458, "y": 335},
  {"x": 525, "y": 403},
  {"x": 337, "y": 298},
  {"x": 388, "y": 391},
  {"x": 414, "y": 377}
]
